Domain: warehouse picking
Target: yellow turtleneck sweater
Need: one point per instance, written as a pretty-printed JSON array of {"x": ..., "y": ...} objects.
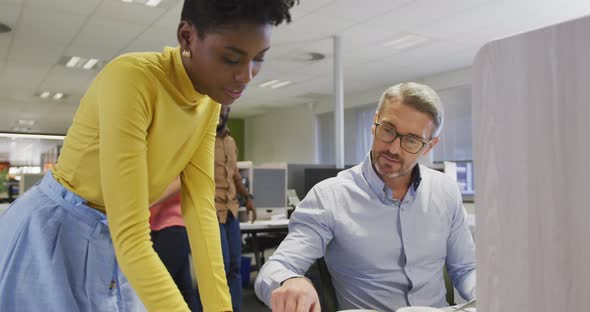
[{"x": 141, "y": 124}]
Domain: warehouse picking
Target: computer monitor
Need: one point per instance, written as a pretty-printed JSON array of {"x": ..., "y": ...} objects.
[
  {"x": 316, "y": 175},
  {"x": 269, "y": 187},
  {"x": 465, "y": 177}
]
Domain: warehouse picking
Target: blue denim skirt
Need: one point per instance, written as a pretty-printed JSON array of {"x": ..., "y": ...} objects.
[{"x": 56, "y": 254}]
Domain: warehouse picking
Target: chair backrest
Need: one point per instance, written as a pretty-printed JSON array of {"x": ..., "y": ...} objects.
[
  {"x": 449, "y": 287},
  {"x": 322, "y": 281}
]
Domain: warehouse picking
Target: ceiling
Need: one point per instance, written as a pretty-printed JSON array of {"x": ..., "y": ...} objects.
[{"x": 46, "y": 30}]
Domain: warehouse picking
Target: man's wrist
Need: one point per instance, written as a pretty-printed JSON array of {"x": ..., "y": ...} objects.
[{"x": 298, "y": 276}]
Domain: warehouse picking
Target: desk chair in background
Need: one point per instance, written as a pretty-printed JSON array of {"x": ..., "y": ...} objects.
[{"x": 258, "y": 243}]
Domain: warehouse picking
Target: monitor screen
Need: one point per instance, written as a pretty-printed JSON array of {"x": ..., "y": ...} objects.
[
  {"x": 316, "y": 175},
  {"x": 465, "y": 177},
  {"x": 269, "y": 187}
]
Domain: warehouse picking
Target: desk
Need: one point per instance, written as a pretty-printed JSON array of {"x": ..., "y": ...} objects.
[
  {"x": 3, "y": 208},
  {"x": 452, "y": 309},
  {"x": 262, "y": 226}
]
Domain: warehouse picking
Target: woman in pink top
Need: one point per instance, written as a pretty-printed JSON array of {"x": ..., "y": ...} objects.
[{"x": 171, "y": 242}]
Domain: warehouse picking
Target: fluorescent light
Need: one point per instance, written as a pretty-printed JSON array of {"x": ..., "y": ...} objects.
[
  {"x": 91, "y": 62},
  {"x": 45, "y": 94},
  {"x": 127, "y": 1},
  {"x": 20, "y": 129},
  {"x": 152, "y": 3},
  {"x": 58, "y": 96},
  {"x": 31, "y": 136},
  {"x": 79, "y": 62},
  {"x": 405, "y": 42},
  {"x": 281, "y": 84},
  {"x": 26, "y": 122},
  {"x": 73, "y": 61},
  {"x": 268, "y": 83}
]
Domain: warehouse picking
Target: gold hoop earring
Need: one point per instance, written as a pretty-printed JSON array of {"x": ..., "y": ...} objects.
[{"x": 186, "y": 53}]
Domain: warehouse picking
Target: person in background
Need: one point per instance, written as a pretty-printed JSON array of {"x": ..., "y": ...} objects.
[
  {"x": 386, "y": 227},
  {"x": 228, "y": 183},
  {"x": 169, "y": 234},
  {"x": 170, "y": 241},
  {"x": 80, "y": 239}
]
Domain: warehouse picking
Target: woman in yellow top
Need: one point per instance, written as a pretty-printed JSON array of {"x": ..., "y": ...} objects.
[{"x": 80, "y": 239}]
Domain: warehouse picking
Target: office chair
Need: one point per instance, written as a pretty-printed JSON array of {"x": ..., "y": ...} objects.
[{"x": 322, "y": 281}]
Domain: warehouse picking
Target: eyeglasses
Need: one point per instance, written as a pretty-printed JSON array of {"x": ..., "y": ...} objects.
[{"x": 408, "y": 142}]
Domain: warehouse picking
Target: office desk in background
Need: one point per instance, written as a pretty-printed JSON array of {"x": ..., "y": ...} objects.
[
  {"x": 3, "y": 208},
  {"x": 262, "y": 226}
]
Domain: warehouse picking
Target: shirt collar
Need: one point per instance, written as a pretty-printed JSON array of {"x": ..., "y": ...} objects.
[
  {"x": 375, "y": 182},
  {"x": 183, "y": 82}
]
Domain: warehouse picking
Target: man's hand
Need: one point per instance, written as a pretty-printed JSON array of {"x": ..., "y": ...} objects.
[
  {"x": 295, "y": 295},
  {"x": 251, "y": 209}
]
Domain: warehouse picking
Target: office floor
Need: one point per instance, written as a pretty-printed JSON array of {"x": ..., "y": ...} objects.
[{"x": 251, "y": 303}]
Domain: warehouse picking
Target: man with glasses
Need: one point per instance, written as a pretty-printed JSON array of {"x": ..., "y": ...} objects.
[{"x": 386, "y": 227}]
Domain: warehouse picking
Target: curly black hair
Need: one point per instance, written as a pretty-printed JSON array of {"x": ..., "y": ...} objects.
[{"x": 208, "y": 14}]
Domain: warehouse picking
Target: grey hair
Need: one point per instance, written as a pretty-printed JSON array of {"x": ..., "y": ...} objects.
[{"x": 418, "y": 96}]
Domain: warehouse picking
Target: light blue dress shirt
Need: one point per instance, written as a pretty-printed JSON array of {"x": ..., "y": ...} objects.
[{"x": 382, "y": 254}]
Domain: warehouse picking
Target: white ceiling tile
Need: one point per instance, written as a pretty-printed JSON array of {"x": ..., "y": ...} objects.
[
  {"x": 9, "y": 13},
  {"x": 26, "y": 51},
  {"x": 78, "y": 7},
  {"x": 45, "y": 26},
  {"x": 24, "y": 93},
  {"x": 18, "y": 2},
  {"x": 104, "y": 39},
  {"x": 129, "y": 12},
  {"x": 306, "y": 7},
  {"x": 362, "y": 10},
  {"x": 172, "y": 16},
  {"x": 155, "y": 39},
  {"x": 405, "y": 19},
  {"x": 312, "y": 26},
  {"x": 18, "y": 74},
  {"x": 4, "y": 45},
  {"x": 69, "y": 81}
]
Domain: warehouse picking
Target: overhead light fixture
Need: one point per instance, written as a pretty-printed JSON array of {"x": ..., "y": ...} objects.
[
  {"x": 148, "y": 3},
  {"x": 268, "y": 83},
  {"x": 46, "y": 95},
  {"x": 152, "y": 3},
  {"x": 405, "y": 42},
  {"x": 280, "y": 84},
  {"x": 80, "y": 62},
  {"x": 73, "y": 62},
  {"x": 274, "y": 84},
  {"x": 90, "y": 64},
  {"x": 26, "y": 122},
  {"x": 31, "y": 136}
]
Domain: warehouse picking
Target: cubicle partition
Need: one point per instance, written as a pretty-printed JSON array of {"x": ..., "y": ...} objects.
[{"x": 531, "y": 107}]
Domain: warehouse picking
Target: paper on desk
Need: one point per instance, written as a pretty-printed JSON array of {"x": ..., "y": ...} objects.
[{"x": 278, "y": 222}]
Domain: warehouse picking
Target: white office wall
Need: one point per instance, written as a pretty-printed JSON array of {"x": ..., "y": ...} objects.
[
  {"x": 455, "y": 139},
  {"x": 326, "y": 142},
  {"x": 286, "y": 135},
  {"x": 291, "y": 134}
]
